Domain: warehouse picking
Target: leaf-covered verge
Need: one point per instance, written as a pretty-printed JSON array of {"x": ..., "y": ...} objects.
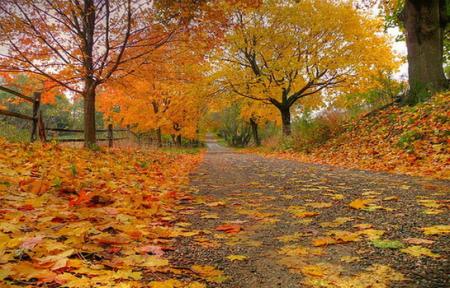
[
  {"x": 406, "y": 140},
  {"x": 71, "y": 217}
]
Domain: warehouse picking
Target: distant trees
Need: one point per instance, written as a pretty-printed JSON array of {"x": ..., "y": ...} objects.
[
  {"x": 280, "y": 53},
  {"x": 236, "y": 131}
]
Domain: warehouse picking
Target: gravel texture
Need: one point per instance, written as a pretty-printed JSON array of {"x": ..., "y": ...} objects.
[{"x": 258, "y": 194}]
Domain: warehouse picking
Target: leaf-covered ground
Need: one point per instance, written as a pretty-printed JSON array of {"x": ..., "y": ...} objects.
[
  {"x": 276, "y": 223},
  {"x": 126, "y": 218},
  {"x": 405, "y": 140},
  {"x": 74, "y": 218}
]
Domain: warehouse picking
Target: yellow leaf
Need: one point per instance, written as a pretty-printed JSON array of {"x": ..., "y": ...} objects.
[
  {"x": 390, "y": 198},
  {"x": 419, "y": 251},
  {"x": 171, "y": 283},
  {"x": 154, "y": 261},
  {"x": 324, "y": 241},
  {"x": 360, "y": 203},
  {"x": 371, "y": 234},
  {"x": 209, "y": 273},
  {"x": 319, "y": 205},
  {"x": 236, "y": 257},
  {"x": 306, "y": 214},
  {"x": 312, "y": 270},
  {"x": 300, "y": 251},
  {"x": 290, "y": 238},
  {"x": 349, "y": 259},
  {"x": 336, "y": 222},
  {"x": 436, "y": 230}
]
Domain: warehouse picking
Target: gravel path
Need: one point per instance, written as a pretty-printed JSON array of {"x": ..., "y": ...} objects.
[{"x": 287, "y": 211}]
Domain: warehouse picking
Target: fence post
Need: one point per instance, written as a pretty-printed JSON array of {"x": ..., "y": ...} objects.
[
  {"x": 36, "y": 107},
  {"x": 129, "y": 133},
  {"x": 41, "y": 128},
  {"x": 110, "y": 135}
]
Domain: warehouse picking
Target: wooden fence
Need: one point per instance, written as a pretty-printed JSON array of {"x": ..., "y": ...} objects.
[
  {"x": 110, "y": 134},
  {"x": 38, "y": 128},
  {"x": 37, "y": 123}
]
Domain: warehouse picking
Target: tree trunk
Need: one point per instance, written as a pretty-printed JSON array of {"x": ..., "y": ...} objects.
[
  {"x": 89, "y": 113},
  {"x": 178, "y": 141},
  {"x": 158, "y": 138},
  {"x": 255, "y": 132},
  {"x": 286, "y": 121},
  {"x": 424, "y": 23}
]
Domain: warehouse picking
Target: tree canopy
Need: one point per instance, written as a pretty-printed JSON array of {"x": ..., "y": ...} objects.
[{"x": 284, "y": 51}]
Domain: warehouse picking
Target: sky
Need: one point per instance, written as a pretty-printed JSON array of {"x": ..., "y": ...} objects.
[{"x": 399, "y": 48}]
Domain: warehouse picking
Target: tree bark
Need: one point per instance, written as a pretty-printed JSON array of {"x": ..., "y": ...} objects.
[
  {"x": 255, "y": 132},
  {"x": 178, "y": 140},
  {"x": 89, "y": 113},
  {"x": 286, "y": 120},
  {"x": 424, "y": 23},
  {"x": 158, "y": 138}
]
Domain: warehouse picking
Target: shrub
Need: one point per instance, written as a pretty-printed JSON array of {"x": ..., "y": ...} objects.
[{"x": 310, "y": 132}]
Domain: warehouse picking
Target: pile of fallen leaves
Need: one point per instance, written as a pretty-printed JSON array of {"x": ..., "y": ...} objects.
[
  {"x": 77, "y": 218},
  {"x": 406, "y": 140}
]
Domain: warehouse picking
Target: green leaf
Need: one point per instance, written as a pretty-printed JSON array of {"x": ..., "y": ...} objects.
[{"x": 387, "y": 244}]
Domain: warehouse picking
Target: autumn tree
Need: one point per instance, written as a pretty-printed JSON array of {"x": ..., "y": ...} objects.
[
  {"x": 79, "y": 45},
  {"x": 254, "y": 114},
  {"x": 426, "y": 27},
  {"x": 284, "y": 51},
  {"x": 166, "y": 95}
]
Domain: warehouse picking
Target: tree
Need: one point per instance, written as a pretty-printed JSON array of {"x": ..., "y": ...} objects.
[
  {"x": 79, "y": 44},
  {"x": 257, "y": 114},
  {"x": 284, "y": 51},
  {"x": 425, "y": 24},
  {"x": 166, "y": 95}
]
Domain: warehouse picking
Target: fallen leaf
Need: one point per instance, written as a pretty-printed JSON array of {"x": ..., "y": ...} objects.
[
  {"x": 387, "y": 244},
  {"x": 209, "y": 273},
  {"x": 418, "y": 241},
  {"x": 236, "y": 257},
  {"x": 312, "y": 270},
  {"x": 419, "y": 251},
  {"x": 436, "y": 230},
  {"x": 229, "y": 228},
  {"x": 360, "y": 203},
  {"x": 155, "y": 250}
]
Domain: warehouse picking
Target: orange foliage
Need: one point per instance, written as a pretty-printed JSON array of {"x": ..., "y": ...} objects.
[
  {"x": 409, "y": 140},
  {"x": 167, "y": 93},
  {"x": 88, "y": 218}
]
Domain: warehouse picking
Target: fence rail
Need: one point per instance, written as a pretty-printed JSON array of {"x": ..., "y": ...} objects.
[
  {"x": 110, "y": 138},
  {"x": 98, "y": 139},
  {"x": 37, "y": 124},
  {"x": 16, "y": 115},
  {"x": 38, "y": 128},
  {"x": 82, "y": 131},
  {"x": 17, "y": 94}
]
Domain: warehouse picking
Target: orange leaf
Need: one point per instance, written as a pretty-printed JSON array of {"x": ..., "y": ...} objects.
[
  {"x": 83, "y": 197},
  {"x": 229, "y": 228}
]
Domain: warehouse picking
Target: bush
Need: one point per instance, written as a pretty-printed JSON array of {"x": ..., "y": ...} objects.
[{"x": 310, "y": 132}]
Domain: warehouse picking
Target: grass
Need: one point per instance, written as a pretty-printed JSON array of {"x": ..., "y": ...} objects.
[
  {"x": 13, "y": 134},
  {"x": 182, "y": 150}
]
